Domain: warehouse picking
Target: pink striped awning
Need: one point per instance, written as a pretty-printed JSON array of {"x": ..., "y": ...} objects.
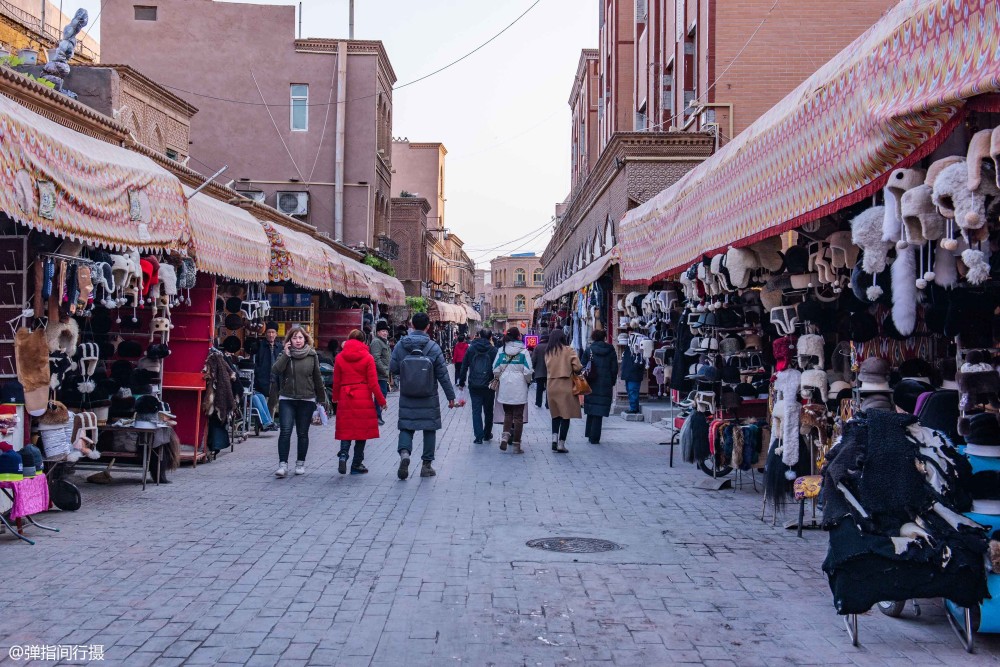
[
  {"x": 227, "y": 240},
  {"x": 879, "y": 104},
  {"x": 297, "y": 257}
]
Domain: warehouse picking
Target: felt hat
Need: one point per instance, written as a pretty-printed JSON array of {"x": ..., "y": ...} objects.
[
  {"x": 982, "y": 435},
  {"x": 874, "y": 375},
  {"x": 129, "y": 349},
  {"x": 231, "y": 344}
]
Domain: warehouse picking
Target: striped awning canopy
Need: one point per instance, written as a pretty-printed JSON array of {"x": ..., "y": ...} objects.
[
  {"x": 297, "y": 257},
  {"x": 65, "y": 183},
  {"x": 227, "y": 240},
  {"x": 581, "y": 278},
  {"x": 439, "y": 311},
  {"x": 472, "y": 314},
  {"x": 395, "y": 294},
  {"x": 831, "y": 142}
]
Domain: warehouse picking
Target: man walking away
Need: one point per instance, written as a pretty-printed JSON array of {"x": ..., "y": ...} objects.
[
  {"x": 458, "y": 355},
  {"x": 633, "y": 372},
  {"x": 538, "y": 363},
  {"x": 477, "y": 371},
  {"x": 267, "y": 353},
  {"x": 382, "y": 353},
  {"x": 421, "y": 367}
]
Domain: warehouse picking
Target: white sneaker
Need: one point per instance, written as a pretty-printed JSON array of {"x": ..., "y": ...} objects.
[
  {"x": 282, "y": 470},
  {"x": 300, "y": 467}
]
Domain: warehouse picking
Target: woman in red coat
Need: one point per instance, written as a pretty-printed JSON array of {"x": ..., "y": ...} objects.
[{"x": 355, "y": 382}]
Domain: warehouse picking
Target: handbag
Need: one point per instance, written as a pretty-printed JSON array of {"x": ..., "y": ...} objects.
[
  {"x": 495, "y": 382},
  {"x": 580, "y": 385}
]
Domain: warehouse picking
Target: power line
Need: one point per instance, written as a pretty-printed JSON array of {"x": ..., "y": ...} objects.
[
  {"x": 534, "y": 232},
  {"x": 365, "y": 97},
  {"x": 513, "y": 250}
]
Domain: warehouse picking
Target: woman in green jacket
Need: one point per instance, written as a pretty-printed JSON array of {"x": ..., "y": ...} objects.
[{"x": 300, "y": 390}]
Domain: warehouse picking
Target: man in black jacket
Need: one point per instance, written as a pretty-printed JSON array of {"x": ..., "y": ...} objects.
[
  {"x": 268, "y": 351},
  {"x": 477, "y": 369}
]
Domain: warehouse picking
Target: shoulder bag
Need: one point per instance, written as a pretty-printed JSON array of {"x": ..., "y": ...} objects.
[
  {"x": 580, "y": 385},
  {"x": 495, "y": 382}
]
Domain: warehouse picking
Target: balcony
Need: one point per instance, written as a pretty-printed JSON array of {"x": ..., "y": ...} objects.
[
  {"x": 388, "y": 248},
  {"x": 520, "y": 283}
]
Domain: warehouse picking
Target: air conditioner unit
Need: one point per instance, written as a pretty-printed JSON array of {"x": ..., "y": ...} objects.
[
  {"x": 293, "y": 203},
  {"x": 255, "y": 195}
]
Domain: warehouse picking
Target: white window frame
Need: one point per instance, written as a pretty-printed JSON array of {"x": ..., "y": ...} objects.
[
  {"x": 291, "y": 107},
  {"x": 520, "y": 304}
]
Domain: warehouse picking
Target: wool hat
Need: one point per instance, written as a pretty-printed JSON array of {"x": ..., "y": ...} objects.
[
  {"x": 876, "y": 401},
  {"x": 907, "y": 391},
  {"x": 11, "y": 464},
  {"x": 874, "y": 375},
  {"x": 12, "y": 391},
  {"x": 781, "y": 348},
  {"x": 231, "y": 344},
  {"x": 917, "y": 369},
  {"x": 129, "y": 349},
  {"x": 982, "y": 435}
]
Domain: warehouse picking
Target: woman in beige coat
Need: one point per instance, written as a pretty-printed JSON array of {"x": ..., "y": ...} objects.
[{"x": 561, "y": 363}]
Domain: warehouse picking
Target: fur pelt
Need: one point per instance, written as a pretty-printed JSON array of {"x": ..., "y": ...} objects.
[
  {"x": 55, "y": 415},
  {"x": 945, "y": 267},
  {"x": 218, "y": 399},
  {"x": 866, "y": 233},
  {"x": 813, "y": 379},
  {"x": 62, "y": 336},
  {"x": 904, "y": 291},
  {"x": 31, "y": 354},
  {"x": 899, "y": 182},
  {"x": 785, "y": 415},
  {"x": 979, "y": 267}
]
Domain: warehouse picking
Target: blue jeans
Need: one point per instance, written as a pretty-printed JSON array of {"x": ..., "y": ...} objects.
[
  {"x": 482, "y": 412},
  {"x": 259, "y": 403},
  {"x": 298, "y": 415},
  {"x": 633, "y": 395},
  {"x": 384, "y": 386},
  {"x": 406, "y": 443}
]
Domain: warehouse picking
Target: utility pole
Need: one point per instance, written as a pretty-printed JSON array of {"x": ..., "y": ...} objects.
[
  {"x": 300, "y": 20},
  {"x": 350, "y": 32}
]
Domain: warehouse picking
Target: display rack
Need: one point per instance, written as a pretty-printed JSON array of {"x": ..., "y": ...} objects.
[{"x": 13, "y": 297}]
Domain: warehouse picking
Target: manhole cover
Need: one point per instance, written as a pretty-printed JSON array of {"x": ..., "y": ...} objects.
[{"x": 573, "y": 545}]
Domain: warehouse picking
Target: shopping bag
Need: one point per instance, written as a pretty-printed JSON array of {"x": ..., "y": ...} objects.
[
  {"x": 461, "y": 398},
  {"x": 319, "y": 417}
]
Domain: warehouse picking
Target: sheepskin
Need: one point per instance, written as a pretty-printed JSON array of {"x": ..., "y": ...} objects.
[
  {"x": 768, "y": 253},
  {"x": 31, "y": 354},
  {"x": 813, "y": 379},
  {"x": 921, "y": 219},
  {"x": 979, "y": 267},
  {"x": 939, "y": 166},
  {"x": 810, "y": 345},
  {"x": 168, "y": 279},
  {"x": 979, "y": 150},
  {"x": 785, "y": 416},
  {"x": 945, "y": 267},
  {"x": 741, "y": 262},
  {"x": 955, "y": 200},
  {"x": 899, "y": 182},
  {"x": 904, "y": 291},
  {"x": 62, "y": 337},
  {"x": 866, "y": 233}
]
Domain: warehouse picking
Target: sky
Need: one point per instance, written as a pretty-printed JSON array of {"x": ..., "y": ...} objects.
[{"x": 502, "y": 113}]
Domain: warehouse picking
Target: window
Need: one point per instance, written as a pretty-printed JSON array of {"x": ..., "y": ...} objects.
[
  {"x": 172, "y": 154},
  {"x": 144, "y": 12},
  {"x": 520, "y": 304},
  {"x": 520, "y": 277},
  {"x": 300, "y": 107},
  {"x": 539, "y": 277}
]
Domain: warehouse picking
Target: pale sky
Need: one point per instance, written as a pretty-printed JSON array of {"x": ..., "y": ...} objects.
[{"x": 502, "y": 113}]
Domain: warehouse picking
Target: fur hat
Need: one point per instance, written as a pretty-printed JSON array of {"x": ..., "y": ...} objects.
[
  {"x": 916, "y": 369},
  {"x": 907, "y": 391},
  {"x": 168, "y": 279},
  {"x": 982, "y": 435},
  {"x": 147, "y": 404},
  {"x": 921, "y": 219},
  {"x": 797, "y": 260},
  {"x": 866, "y": 233},
  {"x": 129, "y": 349},
  {"x": 62, "y": 336},
  {"x": 810, "y": 345},
  {"x": 876, "y": 401},
  {"x": 55, "y": 414},
  {"x": 978, "y": 383},
  {"x": 871, "y": 289},
  {"x": 768, "y": 253},
  {"x": 900, "y": 181},
  {"x": 859, "y": 326},
  {"x": 995, "y": 152},
  {"x": 813, "y": 379},
  {"x": 121, "y": 372},
  {"x": 781, "y": 349},
  {"x": 955, "y": 199},
  {"x": 978, "y": 154},
  {"x": 874, "y": 375},
  {"x": 843, "y": 252},
  {"x": 158, "y": 351}
]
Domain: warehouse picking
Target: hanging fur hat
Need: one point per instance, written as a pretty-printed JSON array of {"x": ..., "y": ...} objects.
[
  {"x": 866, "y": 233},
  {"x": 813, "y": 379},
  {"x": 904, "y": 290},
  {"x": 956, "y": 200},
  {"x": 899, "y": 182},
  {"x": 979, "y": 156},
  {"x": 63, "y": 336},
  {"x": 55, "y": 414},
  {"x": 978, "y": 266},
  {"x": 843, "y": 252},
  {"x": 741, "y": 262},
  {"x": 920, "y": 217},
  {"x": 810, "y": 345},
  {"x": 871, "y": 289},
  {"x": 768, "y": 253},
  {"x": 168, "y": 279},
  {"x": 995, "y": 152}
]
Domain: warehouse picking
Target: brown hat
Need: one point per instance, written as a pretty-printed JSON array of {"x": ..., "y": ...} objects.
[{"x": 874, "y": 374}]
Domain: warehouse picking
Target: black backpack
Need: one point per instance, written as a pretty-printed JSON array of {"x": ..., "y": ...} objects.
[
  {"x": 416, "y": 373},
  {"x": 480, "y": 370}
]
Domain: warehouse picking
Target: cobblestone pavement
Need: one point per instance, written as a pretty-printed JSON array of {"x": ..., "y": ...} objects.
[{"x": 230, "y": 565}]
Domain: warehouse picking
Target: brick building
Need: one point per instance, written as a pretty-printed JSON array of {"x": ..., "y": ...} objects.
[
  {"x": 484, "y": 293},
  {"x": 411, "y": 233},
  {"x": 275, "y": 120},
  {"x": 517, "y": 280}
]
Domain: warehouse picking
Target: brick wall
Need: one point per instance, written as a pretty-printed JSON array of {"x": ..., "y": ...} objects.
[{"x": 409, "y": 229}]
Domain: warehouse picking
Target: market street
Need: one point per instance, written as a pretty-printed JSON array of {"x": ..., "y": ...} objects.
[{"x": 230, "y": 565}]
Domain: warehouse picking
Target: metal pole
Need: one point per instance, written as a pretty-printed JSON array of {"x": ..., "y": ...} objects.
[
  {"x": 351, "y": 24},
  {"x": 44, "y": 2},
  {"x": 300, "y": 20}
]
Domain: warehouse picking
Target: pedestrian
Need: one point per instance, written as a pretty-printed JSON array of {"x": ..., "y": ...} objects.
[
  {"x": 264, "y": 358},
  {"x": 355, "y": 385},
  {"x": 458, "y": 354},
  {"x": 633, "y": 373},
  {"x": 382, "y": 353},
  {"x": 477, "y": 372},
  {"x": 420, "y": 365},
  {"x": 538, "y": 362},
  {"x": 561, "y": 363},
  {"x": 512, "y": 368},
  {"x": 602, "y": 361},
  {"x": 300, "y": 392}
]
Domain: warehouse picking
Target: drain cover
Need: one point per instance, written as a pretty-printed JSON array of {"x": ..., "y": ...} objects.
[{"x": 573, "y": 545}]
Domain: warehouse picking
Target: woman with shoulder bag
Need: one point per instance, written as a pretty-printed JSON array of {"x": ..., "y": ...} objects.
[
  {"x": 512, "y": 374},
  {"x": 561, "y": 364},
  {"x": 300, "y": 391},
  {"x": 601, "y": 370}
]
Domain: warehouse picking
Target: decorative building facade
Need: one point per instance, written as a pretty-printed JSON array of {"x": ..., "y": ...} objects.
[{"x": 517, "y": 281}]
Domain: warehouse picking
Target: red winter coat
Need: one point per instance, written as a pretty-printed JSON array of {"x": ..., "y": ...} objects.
[{"x": 355, "y": 388}]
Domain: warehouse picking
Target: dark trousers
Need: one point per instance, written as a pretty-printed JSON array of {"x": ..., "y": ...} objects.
[
  {"x": 359, "y": 452},
  {"x": 513, "y": 421},
  {"x": 384, "y": 386},
  {"x": 560, "y": 426},
  {"x": 594, "y": 424},
  {"x": 539, "y": 390},
  {"x": 406, "y": 443},
  {"x": 482, "y": 412},
  {"x": 298, "y": 415}
]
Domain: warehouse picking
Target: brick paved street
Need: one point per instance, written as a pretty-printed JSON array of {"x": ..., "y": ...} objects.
[{"x": 230, "y": 565}]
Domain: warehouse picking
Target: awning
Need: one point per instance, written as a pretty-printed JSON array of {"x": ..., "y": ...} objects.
[
  {"x": 395, "y": 294},
  {"x": 357, "y": 279},
  {"x": 227, "y": 240},
  {"x": 65, "y": 183},
  {"x": 471, "y": 314},
  {"x": 439, "y": 311},
  {"x": 831, "y": 142},
  {"x": 297, "y": 257},
  {"x": 581, "y": 278},
  {"x": 337, "y": 264}
]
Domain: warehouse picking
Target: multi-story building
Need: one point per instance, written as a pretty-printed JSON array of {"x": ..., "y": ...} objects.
[
  {"x": 517, "y": 280},
  {"x": 585, "y": 106},
  {"x": 484, "y": 294},
  {"x": 38, "y": 24},
  {"x": 306, "y": 128},
  {"x": 705, "y": 64},
  {"x": 410, "y": 231}
]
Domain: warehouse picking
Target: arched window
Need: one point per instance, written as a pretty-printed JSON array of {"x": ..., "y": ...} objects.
[
  {"x": 520, "y": 304},
  {"x": 539, "y": 277},
  {"x": 520, "y": 276}
]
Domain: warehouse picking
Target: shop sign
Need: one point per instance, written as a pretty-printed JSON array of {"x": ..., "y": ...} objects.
[{"x": 47, "y": 200}]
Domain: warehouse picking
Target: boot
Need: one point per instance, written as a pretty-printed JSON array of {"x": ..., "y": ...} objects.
[
  {"x": 504, "y": 439},
  {"x": 555, "y": 440},
  {"x": 426, "y": 470},
  {"x": 517, "y": 448},
  {"x": 561, "y": 447}
]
